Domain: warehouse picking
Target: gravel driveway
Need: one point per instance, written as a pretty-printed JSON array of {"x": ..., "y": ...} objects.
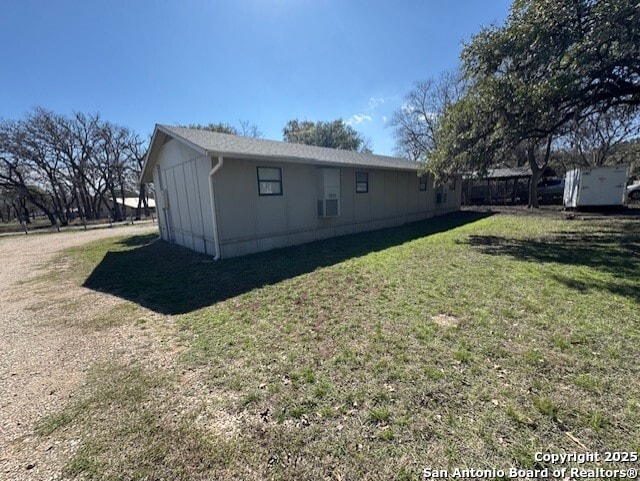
[{"x": 44, "y": 354}]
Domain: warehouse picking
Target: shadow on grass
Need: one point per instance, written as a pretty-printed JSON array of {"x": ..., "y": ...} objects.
[
  {"x": 173, "y": 280},
  {"x": 613, "y": 248}
]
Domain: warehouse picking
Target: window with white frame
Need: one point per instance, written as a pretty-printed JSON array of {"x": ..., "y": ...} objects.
[
  {"x": 269, "y": 181},
  {"x": 362, "y": 182}
]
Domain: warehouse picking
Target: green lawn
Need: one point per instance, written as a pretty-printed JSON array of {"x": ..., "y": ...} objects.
[{"x": 467, "y": 341}]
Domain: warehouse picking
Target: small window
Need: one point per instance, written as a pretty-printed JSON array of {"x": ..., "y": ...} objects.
[
  {"x": 269, "y": 181},
  {"x": 423, "y": 182},
  {"x": 452, "y": 185},
  {"x": 362, "y": 182}
]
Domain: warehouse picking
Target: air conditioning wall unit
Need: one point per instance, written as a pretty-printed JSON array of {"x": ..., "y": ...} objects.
[{"x": 329, "y": 192}]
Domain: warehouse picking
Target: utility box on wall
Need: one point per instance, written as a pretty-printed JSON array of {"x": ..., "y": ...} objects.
[{"x": 329, "y": 192}]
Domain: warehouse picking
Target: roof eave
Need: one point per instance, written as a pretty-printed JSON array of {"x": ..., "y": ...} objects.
[
  {"x": 159, "y": 135},
  {"x": 307, "y": 160}
]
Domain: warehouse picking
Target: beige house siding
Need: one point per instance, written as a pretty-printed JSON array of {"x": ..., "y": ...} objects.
[
  {"x": 181, "y": 177},
  {"x": 248, "y": 222}
]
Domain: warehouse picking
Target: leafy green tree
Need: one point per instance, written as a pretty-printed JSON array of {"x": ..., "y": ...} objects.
[
  {"x": 552, "y": 63},
  {"x": 335, "y": 134}
]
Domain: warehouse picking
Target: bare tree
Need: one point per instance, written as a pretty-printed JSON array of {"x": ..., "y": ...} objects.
[
  {"x": 248, "y": 129},
  {"x": 599, "y": 139},
  {"x": 138, "y": 152},
  {"x": 68, "y": 166},
  {"x": 416, "y": 122},
  {"x": 31, "y": 165},
  {"x": 79, "y": 146},
  {"x": 116, "y": 163}
]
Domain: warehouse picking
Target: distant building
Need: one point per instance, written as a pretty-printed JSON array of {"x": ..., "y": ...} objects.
[
  {"x": 130, "y": 206},
  {"x": 508, "y": 185}
]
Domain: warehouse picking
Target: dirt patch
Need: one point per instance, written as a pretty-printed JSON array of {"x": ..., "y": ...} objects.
[
  {"x": 445, "y": 320},
  {"x": 50, "y": 338}
]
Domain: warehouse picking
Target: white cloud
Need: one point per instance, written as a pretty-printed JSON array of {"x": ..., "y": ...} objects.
[
  {"x": 407, "y": 107},
  {"x": 375, "y": 101},
  {"x": 411, "y": 110},
  {"x": 358, "y": 119},
  {"x": 384, "y": 119}
]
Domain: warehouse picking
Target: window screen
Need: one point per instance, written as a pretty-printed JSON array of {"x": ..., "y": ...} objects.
[{"x": 269, "y": 181}]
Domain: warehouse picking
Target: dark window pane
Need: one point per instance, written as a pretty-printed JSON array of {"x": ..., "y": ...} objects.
[
  {"x": 362, "y": 182},
  {"x": 269, "y": 173},
  {"x": 362, "y": 176}
]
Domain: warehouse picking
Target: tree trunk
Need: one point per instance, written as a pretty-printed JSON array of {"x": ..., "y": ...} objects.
[
  {"x": 535, "y": 177},
  {"x": 140, "y": 200},
  {"x": 80, "y": 209},
  {"x": 537, "y": 170},
  {"x": 17, "y": 212},
  {"x": 40, "y": 204},
  {"x": 86, "y": 205},
  {"x": 124, "y": 205},
  {"x": 51, "y": 217},
  {"x": 96, "y": 205},
  {"x": 115, "y": 206},
  {"x": 25, "y": 211}
]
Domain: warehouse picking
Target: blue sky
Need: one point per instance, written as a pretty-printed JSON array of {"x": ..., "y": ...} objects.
[{"x": 139, "y": 62}]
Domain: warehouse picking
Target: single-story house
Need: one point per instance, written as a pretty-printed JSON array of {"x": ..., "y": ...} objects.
[{"x": 226, "y": 195}]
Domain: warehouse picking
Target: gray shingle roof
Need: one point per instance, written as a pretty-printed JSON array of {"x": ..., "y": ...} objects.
[
  {"x": 226, "y": 145},
  {"x": 508, "y": 172}
]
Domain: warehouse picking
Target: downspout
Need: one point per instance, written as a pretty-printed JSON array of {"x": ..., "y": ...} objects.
[{"x": 216, "y": 239}]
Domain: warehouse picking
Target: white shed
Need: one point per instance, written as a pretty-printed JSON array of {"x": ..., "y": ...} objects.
[{"x": 596, "y": 186}]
